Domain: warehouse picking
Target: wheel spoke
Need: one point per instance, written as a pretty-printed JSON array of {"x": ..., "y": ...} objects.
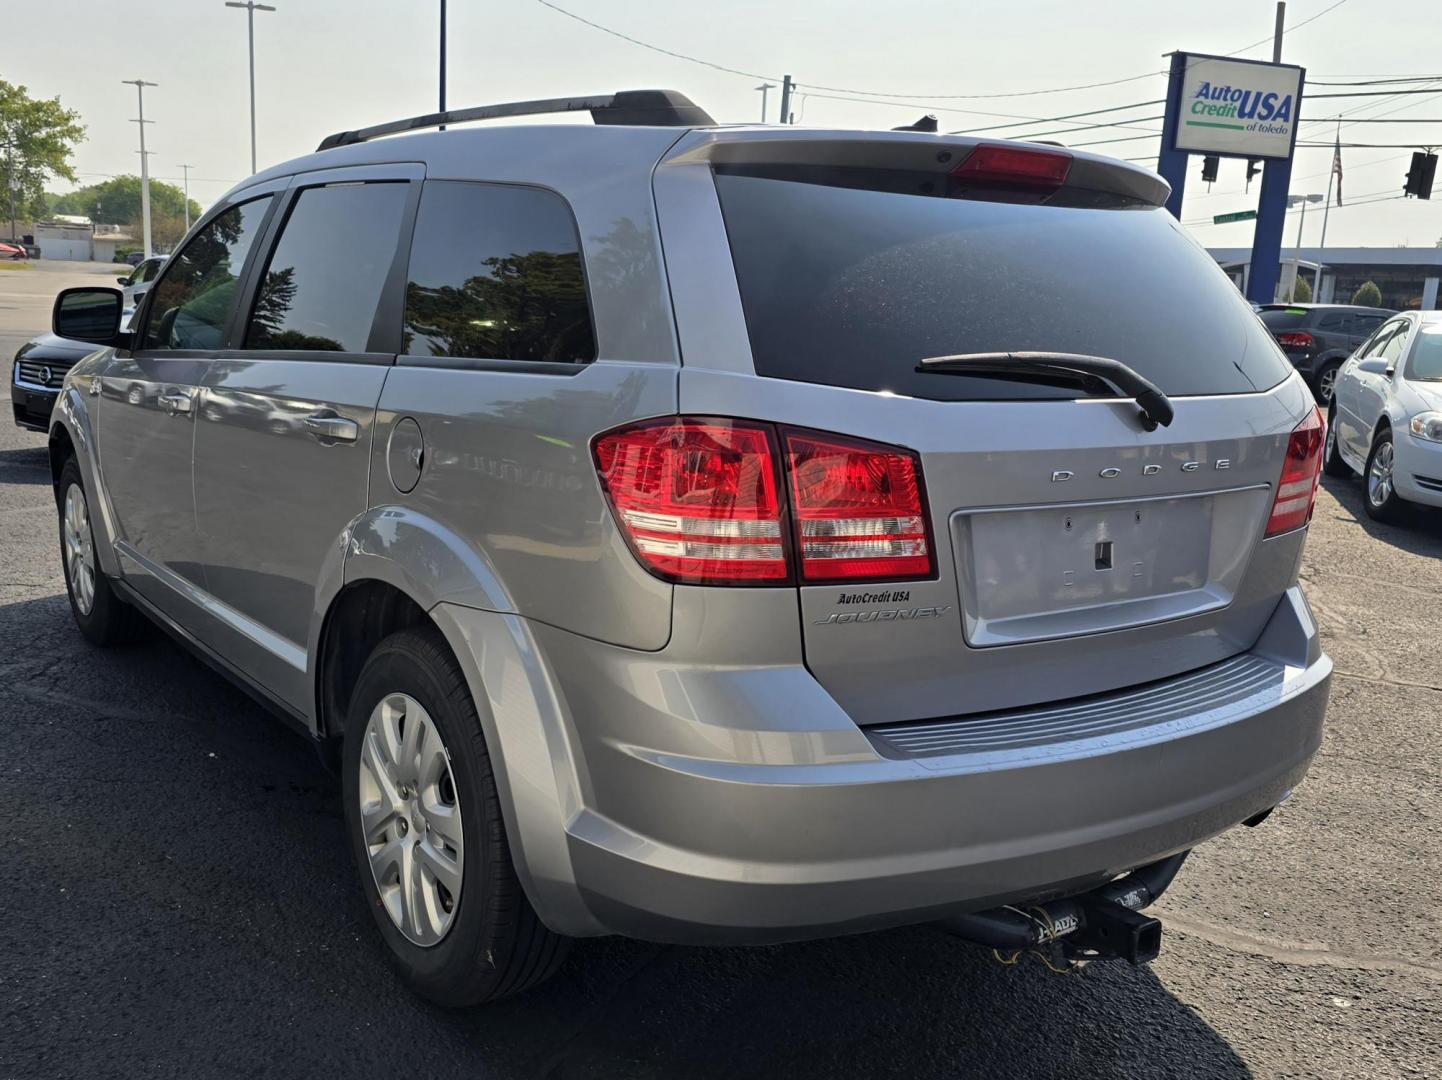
[
  {"x": 381, "y": 769},
  {"x": 440, "y": 866}
]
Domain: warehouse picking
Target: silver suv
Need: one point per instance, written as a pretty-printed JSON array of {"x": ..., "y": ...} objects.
[{"x": 716, "y": 534}]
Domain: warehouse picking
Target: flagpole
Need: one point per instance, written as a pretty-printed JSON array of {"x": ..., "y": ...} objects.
[{"x": 1326, "y": 211}]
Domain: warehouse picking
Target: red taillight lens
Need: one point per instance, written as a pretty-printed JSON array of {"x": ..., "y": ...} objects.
[
  {"x": 1296, "y": 339},
  {"x": 698, "y": 500},
  {"x": 1014, "y": 165},
  {"x": 1297, "y": 489},
  {"x": 858, "y": 510}
]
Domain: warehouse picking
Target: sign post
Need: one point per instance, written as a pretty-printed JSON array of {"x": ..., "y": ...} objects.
[{"x": 1239, "y": 109}]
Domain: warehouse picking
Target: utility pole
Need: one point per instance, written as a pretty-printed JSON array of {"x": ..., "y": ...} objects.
[
  {"x": 251, "y": 7},
  {"x": 763, "y": 88},
  {"x": 443, "y": 59},
  {"x": 786, "y": 87},
  {"x": 10, "y": 181},
  {"x": 1326, "y": 212},
  {"x": 140, "y": 85},
  {"x": 185, "y": 172}
]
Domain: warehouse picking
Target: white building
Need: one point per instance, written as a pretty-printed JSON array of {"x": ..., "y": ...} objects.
[{"x": 1409, "y": 277}]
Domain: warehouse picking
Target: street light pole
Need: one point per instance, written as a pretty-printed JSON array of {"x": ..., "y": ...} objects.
[
  {"x": 443, "y": 60},
  {"x": 763, "y": 88},
  {"x": 251, "y": 7},
  {"x": 185, "y": 172},
  {"x": 140, "y": 85}
]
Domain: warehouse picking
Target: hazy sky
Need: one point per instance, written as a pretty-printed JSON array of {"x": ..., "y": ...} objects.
[{"x": 327, "y": 65}]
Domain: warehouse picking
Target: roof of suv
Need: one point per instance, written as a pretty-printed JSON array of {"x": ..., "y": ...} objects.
[
  {"x": 648, "y": 123},
  {"x": 1328, "y": 307}
]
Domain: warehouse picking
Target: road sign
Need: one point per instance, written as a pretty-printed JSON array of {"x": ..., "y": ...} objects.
[{"x": 1240, "y": 215}]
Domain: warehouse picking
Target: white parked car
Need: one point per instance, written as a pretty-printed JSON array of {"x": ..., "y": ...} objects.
[
  {"x": 1386, "y": 417},
  {"x": 137, "y": 283}
]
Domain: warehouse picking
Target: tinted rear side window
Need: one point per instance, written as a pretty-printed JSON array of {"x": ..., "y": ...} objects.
[
  {"x": 495, "y": 274},
  {"x": 325, "y": 277},
  {"x": 853, "y": 287}
]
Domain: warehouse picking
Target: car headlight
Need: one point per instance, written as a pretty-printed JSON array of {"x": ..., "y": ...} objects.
[{"x": 1428, "y": 425}]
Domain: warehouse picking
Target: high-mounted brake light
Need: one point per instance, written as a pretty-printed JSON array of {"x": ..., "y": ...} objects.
[
  {"x": 701, "y": 501},
  {"x": 1301, "y": 470},
  {"x": 1296, "y": 339},
  {"x": 858, "y": 509},
  {"x": 1018, "y": 166}
]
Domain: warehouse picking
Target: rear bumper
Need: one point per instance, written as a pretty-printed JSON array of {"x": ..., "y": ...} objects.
[{"x": 741, "y": 805}]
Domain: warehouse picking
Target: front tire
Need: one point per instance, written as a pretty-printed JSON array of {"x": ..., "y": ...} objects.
[
  {"x": 1332, "y": 462},
  {"x": 103, "y": 617},
  {"x": 1381, "y": 498},
  {"x": 426, "y": 831}
]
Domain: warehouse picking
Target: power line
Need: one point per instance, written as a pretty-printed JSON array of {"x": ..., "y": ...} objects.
[{"x": 1059, "y": 119}]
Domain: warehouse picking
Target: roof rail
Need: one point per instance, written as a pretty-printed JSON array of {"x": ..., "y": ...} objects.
[{"x": 654, "y": 108}]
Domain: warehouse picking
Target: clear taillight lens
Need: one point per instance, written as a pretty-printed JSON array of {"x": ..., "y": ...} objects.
[
  {"x": 857, "y": 509},
  {"x": 698, "y": 500},
  {"x": 1297, "y": 489},
  {"x": 701, "y": 501}
]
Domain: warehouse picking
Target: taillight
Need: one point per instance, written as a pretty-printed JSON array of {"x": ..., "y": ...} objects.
[
  {"x": 1296, "y": 339},
  {"x": 857, "y": 509},
  {"x": 1297, "y": 489},
  {"x": 1019, "y": 166},
  {"x": 700, "y": 501}
]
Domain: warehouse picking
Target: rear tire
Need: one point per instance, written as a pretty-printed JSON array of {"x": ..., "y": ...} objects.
[
  {"x": 1326, "y": 383},
  {"x": 1380, "y": 497},
  {"x": 103, "y": 617},
  {"x": 1332, "y": 462},
  {"x": 436, "y": 867}
]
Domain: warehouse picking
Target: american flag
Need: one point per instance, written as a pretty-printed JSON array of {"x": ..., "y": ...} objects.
[{"x": 1337, "y": 168}]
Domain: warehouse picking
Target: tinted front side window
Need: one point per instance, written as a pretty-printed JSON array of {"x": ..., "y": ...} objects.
[
  {"x": 495, "y": 274},
  {"x": 852, "y": 287},
  {"x": 324, "y": 279},
  {"x": 189, "y": 306}
]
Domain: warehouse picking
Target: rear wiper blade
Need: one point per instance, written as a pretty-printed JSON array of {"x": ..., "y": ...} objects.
[{"x": 1059, "y": 368}]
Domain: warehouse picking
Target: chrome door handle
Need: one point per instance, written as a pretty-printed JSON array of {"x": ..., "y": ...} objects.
[
  {"x": 175, "y": 402},
  {"x": 327, "y": 425}
]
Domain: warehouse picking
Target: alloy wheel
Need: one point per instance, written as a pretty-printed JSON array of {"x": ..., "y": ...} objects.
[
  {"x": 1379, "y": 475},
  {"x": 412, "y": 819},
  {"x": 1326, "y": 383},
  {"x": 79, "y": 549}
]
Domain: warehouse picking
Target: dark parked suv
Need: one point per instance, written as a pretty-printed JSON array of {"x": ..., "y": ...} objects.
[{"x": 1317, "y": 338}]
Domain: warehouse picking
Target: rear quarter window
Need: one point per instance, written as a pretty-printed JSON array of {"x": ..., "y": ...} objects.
[{"x": 853, "y": 287}]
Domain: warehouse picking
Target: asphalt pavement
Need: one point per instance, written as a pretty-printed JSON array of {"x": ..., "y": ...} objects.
[{"x": 178, "y": 899}]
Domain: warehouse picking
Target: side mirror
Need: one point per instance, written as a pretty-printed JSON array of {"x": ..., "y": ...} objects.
[
  {"x": 1375, "y": 365},
  {"x": 124, "y": 279},
  {"x": 88, "y": 314}
]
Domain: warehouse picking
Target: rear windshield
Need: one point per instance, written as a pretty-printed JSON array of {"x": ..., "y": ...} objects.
[
  {"x": 852, "y": 287},
  {"x": 1278, "y": 319}
]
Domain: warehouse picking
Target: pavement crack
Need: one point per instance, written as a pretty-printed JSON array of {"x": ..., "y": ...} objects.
[
  {"x": 1388, "y": 682},
  {"x": 1300, "y": 953}
]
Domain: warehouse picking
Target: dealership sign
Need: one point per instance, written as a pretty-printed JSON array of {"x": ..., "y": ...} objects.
[{"x": 1239, "y": 108}]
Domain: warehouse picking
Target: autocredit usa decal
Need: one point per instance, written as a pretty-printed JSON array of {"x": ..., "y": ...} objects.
[{"x": 1238, "y": 108}]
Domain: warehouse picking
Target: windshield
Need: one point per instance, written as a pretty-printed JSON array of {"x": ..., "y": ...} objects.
[
  {"x": 1426, "y": 362},
  {"x": 852, "y": 287}
]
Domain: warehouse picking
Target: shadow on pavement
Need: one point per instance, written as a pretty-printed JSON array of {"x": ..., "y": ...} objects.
[
  {"x": 1419, "y": 532},
  {"x": 27, "y": 466},
  {"x": 181, "y": 900}
]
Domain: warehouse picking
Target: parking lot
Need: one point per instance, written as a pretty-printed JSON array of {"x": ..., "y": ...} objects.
[{"x": 179, "y": 898}]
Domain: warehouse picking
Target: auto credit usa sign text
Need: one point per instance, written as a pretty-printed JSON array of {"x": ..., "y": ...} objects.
[{"x": 1238, "y": 108}]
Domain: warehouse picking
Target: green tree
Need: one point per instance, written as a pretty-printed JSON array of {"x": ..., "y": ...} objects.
[
  {"x": 117, "y": 201},
  {"x": 1301, "y": 291},
  {"x": 37, "y": 141},
  {"x": 1367, "y": 295}
]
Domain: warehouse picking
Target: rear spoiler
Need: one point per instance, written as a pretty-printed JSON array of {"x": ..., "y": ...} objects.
[{"x": 904, "y": 150}]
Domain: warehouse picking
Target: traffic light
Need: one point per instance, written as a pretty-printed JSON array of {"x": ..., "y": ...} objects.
[
  {"x": 1421, "y": 175},
  {"x": 1209, "y": 167},
  {"x": 1254, "y": 166}
]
